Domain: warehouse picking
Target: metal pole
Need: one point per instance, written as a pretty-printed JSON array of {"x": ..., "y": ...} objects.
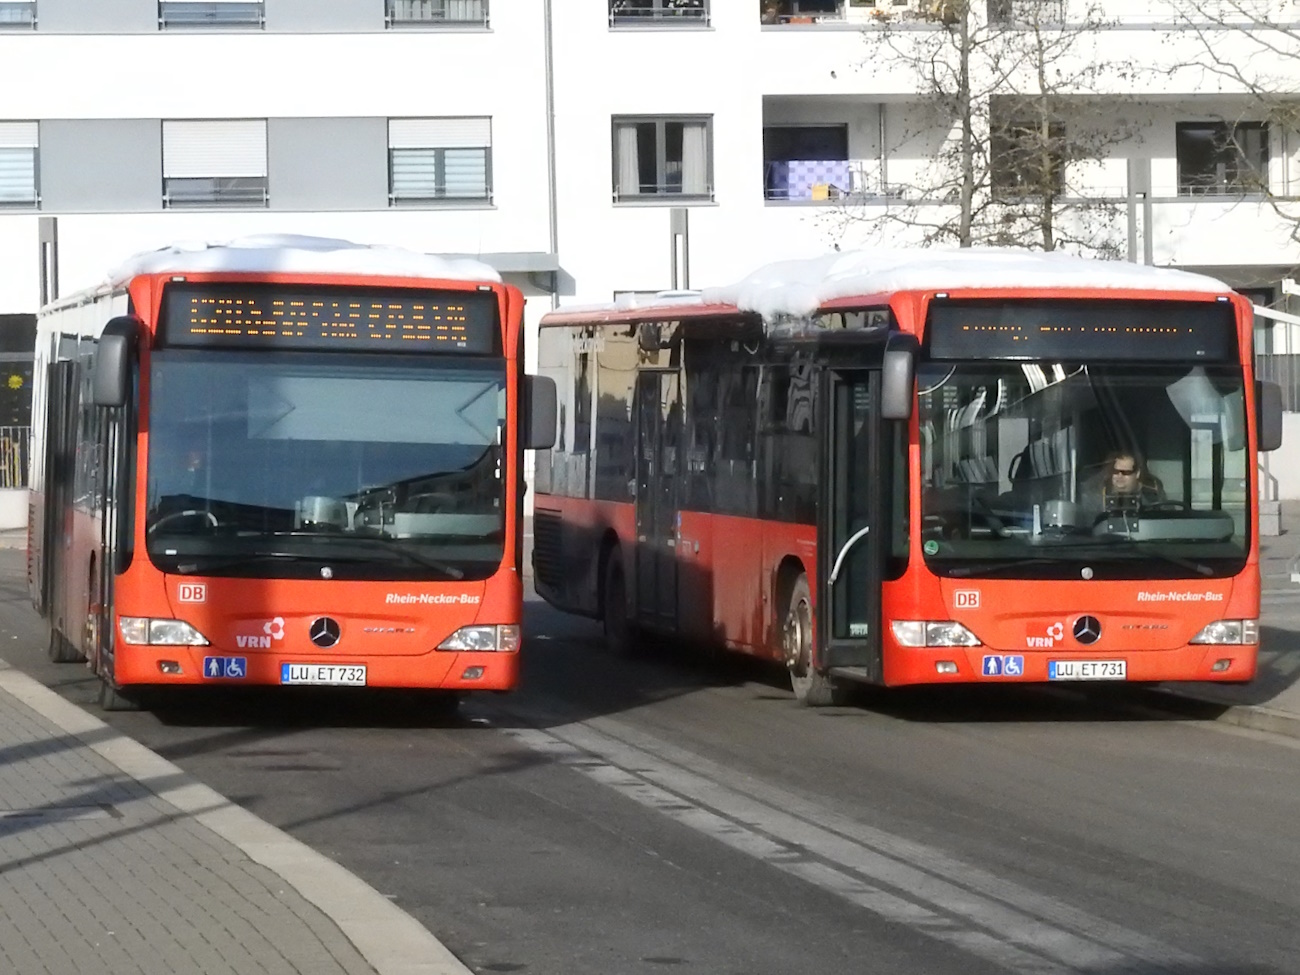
[
  {"x": 679, "y": 239},
  {"x": 48, "y": 237}
]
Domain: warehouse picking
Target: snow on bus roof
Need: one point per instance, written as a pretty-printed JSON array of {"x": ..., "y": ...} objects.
[
  {"x": 798, "y": 287},
  {"x": 288, "y": 253}
]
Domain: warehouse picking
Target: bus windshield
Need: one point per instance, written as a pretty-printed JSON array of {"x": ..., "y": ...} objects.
[
  {"x": 298, "y": 465},
  {"x": 1063, "y": 469}
]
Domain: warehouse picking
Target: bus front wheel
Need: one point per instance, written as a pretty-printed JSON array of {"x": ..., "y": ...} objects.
[
  {"x": 114, "y": 698},
  {"x": 812, "y": 688},
  {"x": 621, "y": 636}
]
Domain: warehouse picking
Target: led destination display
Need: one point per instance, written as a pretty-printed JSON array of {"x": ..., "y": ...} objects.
[
  {"x": 1156, "y": 331},
  {"x": 248, "y": 316}
]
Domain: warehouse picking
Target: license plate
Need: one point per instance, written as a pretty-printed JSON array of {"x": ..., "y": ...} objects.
[
  {"x": 1087, "y": 670},
  {"x": 346, "y": 674}
]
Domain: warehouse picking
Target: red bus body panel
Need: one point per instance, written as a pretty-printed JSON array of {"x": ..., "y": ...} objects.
[
  {"x": 391, "y": 627},
  {"x": 728, "y": 566}
]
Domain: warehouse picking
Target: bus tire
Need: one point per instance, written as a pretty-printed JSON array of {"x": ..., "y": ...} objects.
[
  {"x": 812, "y": 688},
  {"x": 622, "y": 638},
  {"x": 114, "y": 698},
  {"x": 59, "y": 649}
]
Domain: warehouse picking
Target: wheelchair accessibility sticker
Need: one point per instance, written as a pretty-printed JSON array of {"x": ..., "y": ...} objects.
[
  {"x": 1004, "y": 665},
  {"x": 234, "y": 668}
]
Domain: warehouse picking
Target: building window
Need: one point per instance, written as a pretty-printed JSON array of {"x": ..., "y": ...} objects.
[
  {"x": 662, "y": 157},
  {"x": 222, "y": 14},
  {"x": 805, "y": 11},
  {"x": 434, "y": 160},
  {"x": 1026, "y": 12},
  {"x": 214, "y": 163},
  {"x": 806, "y": 162},
  {"x": 437, "y": 13},
  {"x": 1216, "y": 158},
  {"x": 655, "y": 13},
  {"x": 17, "y": 13},
  {"x": 1026, "y": 162},
  {"x": 18, "y": 164}
]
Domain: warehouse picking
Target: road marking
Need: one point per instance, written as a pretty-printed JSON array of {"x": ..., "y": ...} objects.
[{"x": 892, "y": 877}]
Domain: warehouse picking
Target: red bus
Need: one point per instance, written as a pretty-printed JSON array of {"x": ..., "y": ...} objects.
[
  {"x": 883, "y": 467},
  {"x": 284, "y": 461}
]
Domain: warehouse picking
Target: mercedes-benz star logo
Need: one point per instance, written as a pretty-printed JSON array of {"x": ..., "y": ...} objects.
[
  {"x": 324, "y": 632},
  {"x": 1087, "y": 630}
]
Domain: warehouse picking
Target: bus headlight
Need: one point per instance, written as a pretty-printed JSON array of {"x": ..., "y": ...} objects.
[
  {"x": 142, "y": 631},
  {"x": 932, "y": 633},
  {"x": 1229, "y": 632},
  {"x": 483, "y": 638}
]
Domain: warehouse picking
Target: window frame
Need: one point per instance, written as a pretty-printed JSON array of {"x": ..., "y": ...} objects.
[
  {"x": 393, "y": 22},
  {"x": 662, "y": 193},
  {"x": 212, "y": 20},
  {"x": 1228, "y": 157},
  {"x": 439, "y": 154},
  {"x": 640, "y": 14},
  {"x": 18, "y": 6},
  {"x": 1016, "y": 178},
  {"x": 227, "y": 191},
  {"x": 34, "y": 154}
]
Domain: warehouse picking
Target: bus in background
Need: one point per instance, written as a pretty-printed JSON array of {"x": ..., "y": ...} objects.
[
  {"x": 284, "y": 460},
  {"x": 883, "y": 467}
]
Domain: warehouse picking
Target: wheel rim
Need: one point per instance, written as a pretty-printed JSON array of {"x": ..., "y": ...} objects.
[{"x": 798, "y": 637}]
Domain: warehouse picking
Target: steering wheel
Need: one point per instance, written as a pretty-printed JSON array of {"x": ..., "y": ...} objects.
[{"x": 187, "y": 513}]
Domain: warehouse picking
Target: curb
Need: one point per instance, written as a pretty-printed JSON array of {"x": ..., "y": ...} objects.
[
  {"x": 390, "y": 939},
  {"x": 1256, "y": 717}
]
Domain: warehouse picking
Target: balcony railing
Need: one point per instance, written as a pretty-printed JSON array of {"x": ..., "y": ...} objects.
[
  {"x": 17, "y": 13},
  {"x": 658, "y": 13},
  {"x": 437, "y": 13},
  {"x": 237, "y": 192},
  {"x": 188, "y": 13}
]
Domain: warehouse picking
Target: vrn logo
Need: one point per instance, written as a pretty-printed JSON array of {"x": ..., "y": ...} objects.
[
  {"x": 272, "y": 630},
  {"x": 1055, "y": 632}
]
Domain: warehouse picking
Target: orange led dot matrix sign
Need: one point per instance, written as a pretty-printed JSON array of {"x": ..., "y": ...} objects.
[{"x": 267, "y": 316}]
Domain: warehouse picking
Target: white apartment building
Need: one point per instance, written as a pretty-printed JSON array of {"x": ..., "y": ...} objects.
[{"x": 591, "y": 147}]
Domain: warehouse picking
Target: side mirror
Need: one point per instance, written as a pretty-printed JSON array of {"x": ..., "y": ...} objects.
[
  {"x": 1268, "y": 418},
  {"x": 897, "y": 374},
  {"x": 114, "y": 357},
  {"x": 541, "y": 412}
]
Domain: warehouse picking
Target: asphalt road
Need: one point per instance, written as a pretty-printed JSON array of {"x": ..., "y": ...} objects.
[{"x": 679, "y": 814}]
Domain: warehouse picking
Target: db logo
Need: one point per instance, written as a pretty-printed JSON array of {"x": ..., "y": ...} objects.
[
  {"x": 966, "y": 599},
  {"x": 192, "y": 592}
]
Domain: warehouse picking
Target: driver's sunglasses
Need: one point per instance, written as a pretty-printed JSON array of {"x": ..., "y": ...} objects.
[{"x": 1125, "y": 471}]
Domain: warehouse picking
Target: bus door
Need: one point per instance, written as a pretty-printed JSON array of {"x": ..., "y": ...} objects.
[
  {"x": 60, "y": 449},
  {"x": 850, "y": 548},
  {"x": 658, "y": 436}
]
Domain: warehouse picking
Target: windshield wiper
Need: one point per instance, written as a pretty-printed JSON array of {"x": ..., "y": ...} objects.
[
  {"x": 1198, "y": 567},
  {"x": 386, "y": 543},
  {"x": 390, "y": 544},
  {"x": 970, "y": 570},
  {"x": 192, "y": 568}
]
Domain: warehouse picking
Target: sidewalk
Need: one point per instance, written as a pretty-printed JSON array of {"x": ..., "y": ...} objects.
[
  {"x": 113, "y": 861},
  {"x": 1271, "y": 702}
]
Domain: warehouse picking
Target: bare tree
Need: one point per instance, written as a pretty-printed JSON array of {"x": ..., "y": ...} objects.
[
  {"x": 1011, "y": 110},
  {"x": 1249, "y": 51}
]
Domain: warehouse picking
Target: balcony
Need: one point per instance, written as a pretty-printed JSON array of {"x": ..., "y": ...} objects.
[
  {"x": 658, "y": 13},
  {"x": 848, "y": 181}
]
